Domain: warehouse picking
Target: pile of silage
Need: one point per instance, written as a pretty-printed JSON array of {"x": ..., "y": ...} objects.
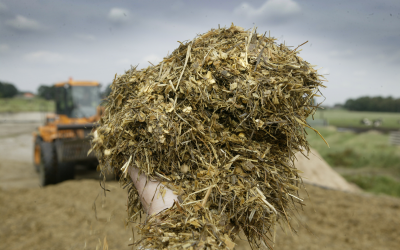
[{"x": 218, "y": 121}]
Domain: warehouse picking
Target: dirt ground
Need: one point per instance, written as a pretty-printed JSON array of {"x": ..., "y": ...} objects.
[
  {"x": 16, "y": 155},
  {"x": 76, "y": 215}
]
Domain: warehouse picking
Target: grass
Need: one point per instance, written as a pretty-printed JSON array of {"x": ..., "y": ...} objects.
[
  {"x": 25, "y": 105},
  {"x": 348, "y": 149},
  {"x": 376, "y": 184},
  {"x": 369, "y": 156},
  {"x": 345, "y": 118}
]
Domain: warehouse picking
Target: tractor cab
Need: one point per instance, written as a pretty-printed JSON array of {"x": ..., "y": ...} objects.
[{"x": 77, "y": 99}]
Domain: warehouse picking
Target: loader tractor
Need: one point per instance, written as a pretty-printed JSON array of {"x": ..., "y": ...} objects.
[{"x": 63, "y": 142}]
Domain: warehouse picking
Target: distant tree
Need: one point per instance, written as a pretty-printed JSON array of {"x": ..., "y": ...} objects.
[
  {"x": 7, "y": 90},
  {"x": 338, "y": 106},
  {"x": 46, "y": 92},
  {"x": 377, "y": 104},
  {"x": 107, "y": 91}
]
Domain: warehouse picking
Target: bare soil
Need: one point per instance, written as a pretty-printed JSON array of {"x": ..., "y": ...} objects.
[
  {"x": 16, "y": 156},
  {"x": 63, "y": 217},
  {"x": 76, "y": 215}
]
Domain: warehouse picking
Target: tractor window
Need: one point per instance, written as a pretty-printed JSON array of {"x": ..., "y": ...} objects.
[
  {"x": 85, "y": 101},
  {"x": 60, "y": 103},
  {"x": 64, "y": 103}
]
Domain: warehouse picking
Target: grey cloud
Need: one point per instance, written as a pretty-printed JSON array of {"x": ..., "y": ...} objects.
[
  {"x": 86, "y": 37},
  {"x": 271, "y": 11},
  {"x": 4, "y": 48},
  {"x": 119, "y": 15},
  {"x": 88, "y": 41},
  {"x": 22, "y": 23},
  {"x": 177, "y": 5},
  {"x": 3, "y": 8},
  {"x": 45, "y": 57}
]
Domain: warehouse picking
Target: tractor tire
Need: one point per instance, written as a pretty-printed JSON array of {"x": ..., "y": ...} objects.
[
  {"x": 65, "y": 170},
  {"x": 37, "y": 154},
  {"x": 48, "y": 164},
  {"x": 50, "y": 170}
]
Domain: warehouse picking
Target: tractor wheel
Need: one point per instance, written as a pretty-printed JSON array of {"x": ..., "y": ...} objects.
[
  {"x": 65, "y": 170},
  {"x": 48, "y": 164},
  {"x": 37, "y": 154}
]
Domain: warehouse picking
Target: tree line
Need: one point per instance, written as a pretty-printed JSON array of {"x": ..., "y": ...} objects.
[
  {"x": 46, "y": 92},
  {"x": 7, "y": 90},
  {"x": 377, "y": 104}
]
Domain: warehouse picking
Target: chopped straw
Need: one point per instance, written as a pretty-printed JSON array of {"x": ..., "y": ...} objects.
[{"x": 218, "y": 122}]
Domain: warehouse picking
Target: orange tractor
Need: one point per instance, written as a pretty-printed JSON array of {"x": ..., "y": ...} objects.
[{"x": 62, "y": 142}]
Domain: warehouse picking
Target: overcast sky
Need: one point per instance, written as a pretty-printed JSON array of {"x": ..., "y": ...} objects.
[{"x": 46, "y": 41}]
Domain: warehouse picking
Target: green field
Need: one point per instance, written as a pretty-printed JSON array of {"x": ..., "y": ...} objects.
[
  {"x": 25, "y": 105},
  {"x": 366, "y": 159},
  {"x": 344, "y": 118}
]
